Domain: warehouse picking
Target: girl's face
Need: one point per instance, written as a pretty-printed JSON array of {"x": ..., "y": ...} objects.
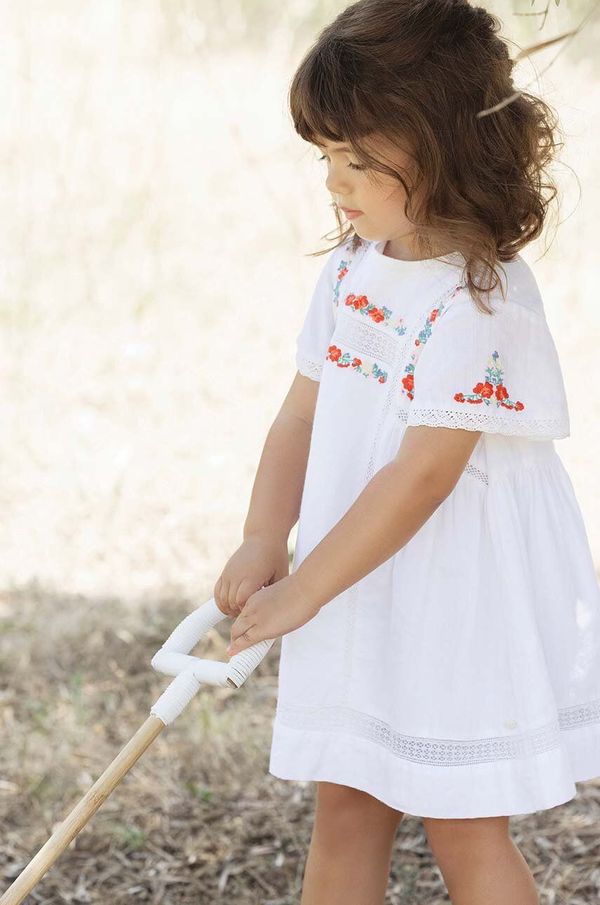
[{"x": 379, "y": 198}]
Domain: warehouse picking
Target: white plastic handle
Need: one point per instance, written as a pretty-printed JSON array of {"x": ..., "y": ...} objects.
[{"x": 173, "y": 659}]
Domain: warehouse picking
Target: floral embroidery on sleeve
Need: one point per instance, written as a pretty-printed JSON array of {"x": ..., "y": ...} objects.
[
  {"x": 362, "y": 304},
  {"x": 365, "y": 366},
  {"x": 485, "y": 391}
]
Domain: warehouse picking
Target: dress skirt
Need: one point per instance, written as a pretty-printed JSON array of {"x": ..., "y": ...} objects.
[{"x": 464, "y": 681}]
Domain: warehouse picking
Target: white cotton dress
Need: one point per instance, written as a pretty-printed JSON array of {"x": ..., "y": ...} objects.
[{"x": 460, "y": 678}]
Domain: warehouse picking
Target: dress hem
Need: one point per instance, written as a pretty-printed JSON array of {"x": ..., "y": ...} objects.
[{"x": 499, "y": 788}]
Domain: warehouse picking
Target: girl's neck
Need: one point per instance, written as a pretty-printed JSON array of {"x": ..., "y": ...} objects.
[{"x": 405, "y": 251}]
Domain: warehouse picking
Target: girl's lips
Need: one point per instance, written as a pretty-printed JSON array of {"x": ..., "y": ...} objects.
[{"x": 351, "y": 214}]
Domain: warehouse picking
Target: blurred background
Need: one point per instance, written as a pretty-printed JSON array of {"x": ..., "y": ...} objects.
[{"x": 156, "y": 219}]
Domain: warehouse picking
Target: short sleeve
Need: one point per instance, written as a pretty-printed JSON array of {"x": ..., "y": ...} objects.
[
  {"x": 312, "y": 343},
  {"x": 495, "y": 372}
]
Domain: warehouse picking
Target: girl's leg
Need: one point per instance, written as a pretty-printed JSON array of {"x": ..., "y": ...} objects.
[
  {"x": 480, "y": 862},
  {"x": 350, "y": 849}
]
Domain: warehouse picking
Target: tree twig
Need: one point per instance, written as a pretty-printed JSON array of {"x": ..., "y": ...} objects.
[{"x": 529, "y": 51}]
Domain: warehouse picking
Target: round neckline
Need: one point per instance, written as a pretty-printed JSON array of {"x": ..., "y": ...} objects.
[{"x": 413, "y": 266}]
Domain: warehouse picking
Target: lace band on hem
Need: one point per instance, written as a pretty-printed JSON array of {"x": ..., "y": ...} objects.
[{"x": 439, "y": 752}]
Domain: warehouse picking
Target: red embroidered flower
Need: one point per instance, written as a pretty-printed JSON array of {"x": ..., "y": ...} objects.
[
  {"x": 484, "y": 389},
  {"x": 408, "y": 382},
  {"x": 423, "y": 336},
  {"x": 377, "y": 315},
  {"x": 490, "y": 388},
  {"x": 347, "y": 360},
  {"x": 357, "y": 301},
  {"x": 342, "y": 273}
]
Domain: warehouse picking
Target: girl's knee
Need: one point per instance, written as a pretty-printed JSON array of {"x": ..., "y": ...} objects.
[
  {"x": 342, "y": 804},
  {"x": 467, "y": 833}
]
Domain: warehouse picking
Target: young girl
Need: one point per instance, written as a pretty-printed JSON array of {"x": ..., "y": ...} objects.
[{"x": 440, "y": 628}]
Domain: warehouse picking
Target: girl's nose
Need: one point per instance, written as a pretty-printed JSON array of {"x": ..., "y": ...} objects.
[{"x": 336, "y": 186}]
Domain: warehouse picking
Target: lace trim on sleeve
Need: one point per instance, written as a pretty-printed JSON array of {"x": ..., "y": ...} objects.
[
  {"x": 308, "y": 366},
  {"x": 470, "y": 469},
  {"x": 536, "y": 428}
]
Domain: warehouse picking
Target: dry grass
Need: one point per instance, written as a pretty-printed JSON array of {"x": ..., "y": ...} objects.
[
  {"x": 157, "y": 209},
  {"x": 198, "y": 818}
]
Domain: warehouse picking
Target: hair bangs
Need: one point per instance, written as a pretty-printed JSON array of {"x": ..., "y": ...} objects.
[{"x": 323, "y": 99}]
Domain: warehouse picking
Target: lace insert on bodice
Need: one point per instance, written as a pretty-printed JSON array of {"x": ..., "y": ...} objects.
[{"x": 365, "y": 338}]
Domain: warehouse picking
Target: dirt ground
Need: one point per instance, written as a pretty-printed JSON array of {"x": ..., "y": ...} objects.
[
  {"x": 198, "y": 818},
  {"x": 158, "y": 210}
]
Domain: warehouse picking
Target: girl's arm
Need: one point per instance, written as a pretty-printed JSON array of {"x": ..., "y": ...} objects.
[
  {"x": 395, "y": 503},
  {"x": 277, "y": 490},
  {"x": 262, "y": 559}
]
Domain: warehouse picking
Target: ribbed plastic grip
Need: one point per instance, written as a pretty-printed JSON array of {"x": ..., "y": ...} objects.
[{"x": 190, "y": 672}]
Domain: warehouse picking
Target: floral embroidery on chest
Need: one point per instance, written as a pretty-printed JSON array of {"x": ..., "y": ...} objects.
[
  {"x": 362, "y": 364},
  {"x": 362, "y": 304},
  {"x": 491, "y": 389},
  {"x": 365, "y": 366},
  {"x": 408, "y": 381},
  {"x": 355, "y": 244}
]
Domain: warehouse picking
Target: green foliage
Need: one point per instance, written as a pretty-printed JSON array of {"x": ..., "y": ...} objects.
[
  {"x": 199, "y": 791},
  {"x": 129, "y": 837}
]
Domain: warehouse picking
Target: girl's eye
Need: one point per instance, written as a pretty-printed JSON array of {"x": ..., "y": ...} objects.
[{"x": 353, "y": 166}]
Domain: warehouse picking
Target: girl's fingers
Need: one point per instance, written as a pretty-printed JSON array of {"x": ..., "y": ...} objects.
[
  {"x": 220, "y": 595},
  {"x": 240, "y": 643},
  {"x": 241, "y": 639},
  {"x": 243, "y": 591},
  {"x": 238, "y": 629},
  {"x": 233, "y": 595},
  {"x": 225, "y": 593},
  {"x": 217, "y": 592}
]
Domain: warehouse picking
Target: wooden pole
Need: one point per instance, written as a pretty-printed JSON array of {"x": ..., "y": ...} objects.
[{"x": 82, "y": 812}]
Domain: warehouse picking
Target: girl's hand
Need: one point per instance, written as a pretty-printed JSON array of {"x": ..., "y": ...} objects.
[
  {"x": 271, "y": 612},
  {"x": 259, "y": 560}
]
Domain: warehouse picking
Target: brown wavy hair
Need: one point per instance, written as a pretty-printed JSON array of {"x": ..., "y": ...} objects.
[{"x": 419, "y": 73}]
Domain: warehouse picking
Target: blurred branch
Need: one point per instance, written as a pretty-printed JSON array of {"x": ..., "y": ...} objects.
[
  {"x": 566, "y": 37},
  {"x": 540, "y": 12}
]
